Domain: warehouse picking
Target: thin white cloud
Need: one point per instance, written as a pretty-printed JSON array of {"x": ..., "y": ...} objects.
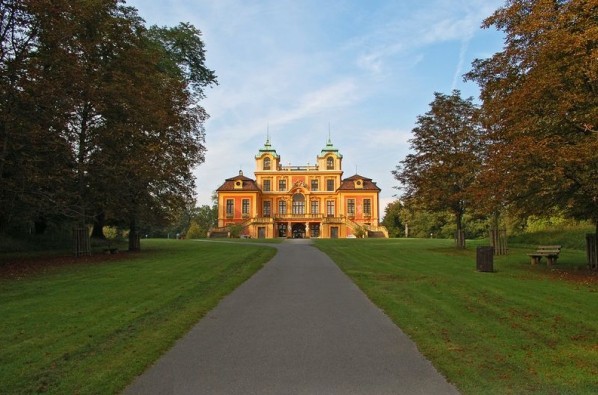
[
  {"x": 460, "y": 65},
  {"x": 298, "y": 65},
  {"x": 432, "y": 23}
]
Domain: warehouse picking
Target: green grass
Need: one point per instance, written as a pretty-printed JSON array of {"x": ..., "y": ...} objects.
[
  {"x": 521, "y": 329},
  {"x": 91, "y": 328}
]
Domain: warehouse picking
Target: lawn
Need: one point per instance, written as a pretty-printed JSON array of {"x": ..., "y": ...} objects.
[
  {"x": 521, "y": 329},
  {"x": 91, "y": 327}
]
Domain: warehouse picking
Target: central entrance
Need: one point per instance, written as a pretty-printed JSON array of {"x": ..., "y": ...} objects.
[{"x": 298, "y": 231}]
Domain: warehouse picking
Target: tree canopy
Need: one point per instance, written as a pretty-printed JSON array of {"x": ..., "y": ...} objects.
[
  {"x": 99, "y": 115},
  {"x": 447, "y": 154},
  {"x": 540, "y": 105}
]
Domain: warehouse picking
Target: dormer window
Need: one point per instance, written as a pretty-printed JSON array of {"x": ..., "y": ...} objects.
[
  {"x": 330, "y": 163},
  {"x": 238, "y": 184},
  {"x": 358, "y": 184},
  {"x": 267, "y": 163}
]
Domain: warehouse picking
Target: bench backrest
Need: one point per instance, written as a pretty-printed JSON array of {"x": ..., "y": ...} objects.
[{"x": 549, "y": 248}]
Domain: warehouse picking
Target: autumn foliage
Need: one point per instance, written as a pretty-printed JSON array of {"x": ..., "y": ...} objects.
[
  {"x": 536, "y": 152},
  {"x": 540, "y": 103}
]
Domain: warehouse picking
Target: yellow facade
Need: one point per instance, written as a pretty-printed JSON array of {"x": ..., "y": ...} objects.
[{"x": 299, "y": 201}]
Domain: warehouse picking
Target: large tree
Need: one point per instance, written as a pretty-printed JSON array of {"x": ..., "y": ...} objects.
[
  {"x": 447, "y": 154},
  {"x": 102, "y": 119},
  {"x": 540, "y": 100}
]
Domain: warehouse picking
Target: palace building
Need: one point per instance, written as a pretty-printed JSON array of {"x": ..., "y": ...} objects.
[{"x": 299, "y": 201}]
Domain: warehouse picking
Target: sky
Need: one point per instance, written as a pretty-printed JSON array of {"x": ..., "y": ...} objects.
[{"x": 301, "y": 71}]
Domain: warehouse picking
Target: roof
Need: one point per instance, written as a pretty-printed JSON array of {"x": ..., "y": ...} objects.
[
  {"x": 330, "y": 149},
  {"x": 349, "y": 184},
  {"x": 267, "y": 149},
  {"x": 248, "y": 184}
]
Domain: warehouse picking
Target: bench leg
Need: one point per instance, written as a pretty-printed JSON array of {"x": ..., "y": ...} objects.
[
  {"x": 551, "y": 260},
  {"x": 535, "y": 260}
]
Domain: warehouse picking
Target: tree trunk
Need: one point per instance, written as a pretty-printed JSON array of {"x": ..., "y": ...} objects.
[
  {"x": 592, "y": 249},
  {"x": 134, "y": 239},
  {"x": 459, "y": 235},
  {"x": 98, "y": 226},
  {"x": 39, "y": 225}
]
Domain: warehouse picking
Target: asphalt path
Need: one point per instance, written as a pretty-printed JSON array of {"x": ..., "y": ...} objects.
[{"x": 298, "y": 326}]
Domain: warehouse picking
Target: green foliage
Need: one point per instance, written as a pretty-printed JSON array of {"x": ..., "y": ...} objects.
[
  {"x": 113, "y": 128},
  {"x": 573, "y": 237},
  {"x": 115, "y": 233},
  {"x": 521, "y": 329},
  {"x": 205, "y": 218},
  {"x": 195, "y": 232},
  {"x": 392, "y": 219},
  {"x": 447, "y": 153},
  {"x": 58, "y": 239},
  {"x": 114, "y": 316},
  {"x": 360, "y": 231},
  {"x": 537, "y": 224},
  {"x": 236, "y": 230}
]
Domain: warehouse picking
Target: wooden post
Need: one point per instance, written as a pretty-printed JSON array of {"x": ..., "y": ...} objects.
[
  {"x": 498, "y": 240},
  {"x": 592, "y": 250}
]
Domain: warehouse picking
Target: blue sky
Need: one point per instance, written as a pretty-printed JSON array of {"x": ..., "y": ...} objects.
[{"x": 361, "y": 69}]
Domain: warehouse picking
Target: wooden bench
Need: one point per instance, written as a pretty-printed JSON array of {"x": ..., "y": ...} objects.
[{"x": 550, "y": 252}]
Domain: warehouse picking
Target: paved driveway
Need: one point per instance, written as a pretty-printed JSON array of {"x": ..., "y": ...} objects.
[{"x": 298, "y": 326}]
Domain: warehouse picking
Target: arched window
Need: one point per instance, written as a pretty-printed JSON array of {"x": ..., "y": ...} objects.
[
  {"x": 330, "y": 163},
  {"x": 298, "y": 204},
  {"x": 267, "y": 164}
]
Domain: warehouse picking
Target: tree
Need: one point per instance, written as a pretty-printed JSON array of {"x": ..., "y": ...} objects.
[
  {"x": 448, "y": 152},
  {"x": 540, "y": 101},
  {"x": 205, "y": 218},
  {"x": 30, "y": 161},
  {"x": 392, "y": 218},
  {"x": 173, "y": 140},
  {"x": 100, "y": 117}
]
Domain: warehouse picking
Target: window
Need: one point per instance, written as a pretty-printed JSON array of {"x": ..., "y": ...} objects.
[
  {"x": 230, "y": 207},
  {"x": 282, "y": 185},
  {"x": 330, "y": 208},
  {"x": 314, "y": 184},
  {"x": 267, "y": 208},
  {"x": 330, "y": 185},
  {"x": 245, "y": 206},
  {"x": 351, "y": 206},
  {"x": 298, "y": 204},
  {"x": 267, "y": 164},
  {"x": 282, "y": 207},
  {"x": 315, "y": 207},
  {"x": 266, "y": 185},
  {"x": 330, "y": 163},
  {"x": 367, "y": 206}
]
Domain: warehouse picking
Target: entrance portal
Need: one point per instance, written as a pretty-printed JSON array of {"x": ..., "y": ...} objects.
[
  {"x": 282, "y": 230},
  {"x": 298, "y": 231},
  {"x": 334, "y": 232}
]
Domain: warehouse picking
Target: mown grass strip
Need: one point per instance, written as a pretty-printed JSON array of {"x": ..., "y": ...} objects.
[
  {"x": 92, "y": 328},
  {"x": 521, "y": 329}
]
